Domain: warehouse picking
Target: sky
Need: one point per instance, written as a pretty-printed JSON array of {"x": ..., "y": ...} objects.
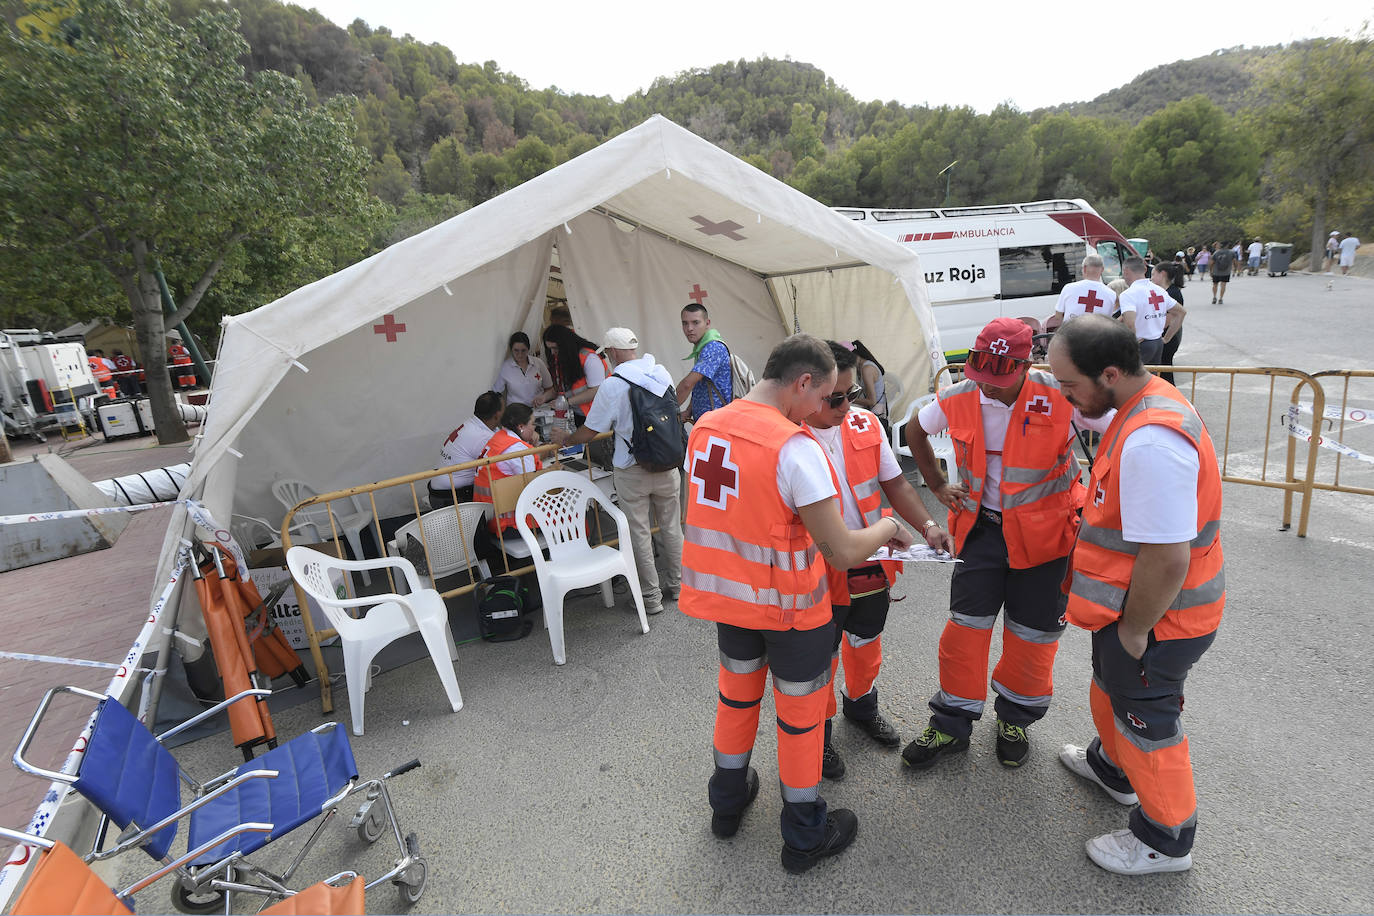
[{"x": 978, "y": 53}]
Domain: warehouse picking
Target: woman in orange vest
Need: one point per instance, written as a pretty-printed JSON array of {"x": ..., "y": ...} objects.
[
  {"x": 1013, "y": 515},
  {"x": 515, "y": 434},
  {"x": 858, "y": 450},
  {"x": 759, "y": 491},
  {"x": 1149, "y": 581},
  {"x": 577, "y": 367}
]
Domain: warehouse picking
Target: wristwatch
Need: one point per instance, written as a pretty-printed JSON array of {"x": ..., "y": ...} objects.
[{"x": 931, "y": 523}]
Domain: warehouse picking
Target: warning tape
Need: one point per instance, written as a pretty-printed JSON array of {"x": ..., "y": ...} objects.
[
  {"x": 79, "y": 513},
  {"x": 1351, "y": 415},
  {"x": 62, "y": 660},
  {"x": 1297, "y": 431}
]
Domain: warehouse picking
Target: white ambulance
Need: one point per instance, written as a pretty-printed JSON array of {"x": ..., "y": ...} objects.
[{"x": 1008, "y": 260}]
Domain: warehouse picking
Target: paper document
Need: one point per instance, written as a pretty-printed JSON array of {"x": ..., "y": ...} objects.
[{"x": 916, "y": 553}]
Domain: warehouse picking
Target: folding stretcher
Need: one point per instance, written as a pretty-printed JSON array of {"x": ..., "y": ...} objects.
[
  {"x": 62, "y": 882},
  {"x": 135, "y": 782}
]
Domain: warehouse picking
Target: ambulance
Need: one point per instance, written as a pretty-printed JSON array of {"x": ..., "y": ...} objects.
[{"x": 1008, "y": 260}]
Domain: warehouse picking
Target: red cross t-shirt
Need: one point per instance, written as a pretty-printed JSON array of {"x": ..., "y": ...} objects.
[{"x": 1150, "y": 304}]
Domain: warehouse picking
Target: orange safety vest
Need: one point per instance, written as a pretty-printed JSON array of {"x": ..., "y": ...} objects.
[
  {"x": 863, "y": 440},
  {"x": 581, "y": 383},
  {"x": 104, "y": 379},
  {"x": 500, "y": 442},
  {"x": 1104, "y": 560},
  {"x": 1041, "y": 491},
  {"x": 747, "y": 559},
  {"x": 182, "y": 357}
]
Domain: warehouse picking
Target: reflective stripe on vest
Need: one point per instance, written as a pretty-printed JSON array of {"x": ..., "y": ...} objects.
[
  {"x": 1040, "y": 476},
  {"x": 1104, "y": 561},
  {"x": 791, "y": 561}
]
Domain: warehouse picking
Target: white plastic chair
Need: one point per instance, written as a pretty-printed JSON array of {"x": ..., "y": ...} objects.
[
  {"x": 388, "y": 618},
  {"x": 449, "y": 535},
  {"x": 250, "y": 532},
  {"x": 940, "y": 443},
  {"x": 558, "y": 502},
  {"x": 350, "y": 525}
]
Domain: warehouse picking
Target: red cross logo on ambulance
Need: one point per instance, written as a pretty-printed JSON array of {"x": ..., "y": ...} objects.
[
  {"x": 999, "y": 346},
  {"x": 714, "y": 475},
  {"x": 858, "y": 421}
]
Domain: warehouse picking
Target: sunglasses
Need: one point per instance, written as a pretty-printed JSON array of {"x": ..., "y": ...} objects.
[
  {"x": 992, "y": 363},
  {"x": 835, "y": 400}
]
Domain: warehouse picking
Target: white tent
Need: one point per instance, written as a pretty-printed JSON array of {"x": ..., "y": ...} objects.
[{"x": 398, "y": 346}]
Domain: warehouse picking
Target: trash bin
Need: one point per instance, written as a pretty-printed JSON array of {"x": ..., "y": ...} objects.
[{"x": 1280, "y": 256}]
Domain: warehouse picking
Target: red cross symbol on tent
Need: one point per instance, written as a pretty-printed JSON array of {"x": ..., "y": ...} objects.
[
  {"x": 999, "y": 346},
  {"x": 858, "y": 422},
  {"x": 716, "y": 476},
  {"x": 390, "y": 327},
  {"x": 697, "y": 294},
  {"x": 726, "y": 227},
  {"x": 1155, "y": 299},
  {"x": 1039, "y": 404},
  {"x": 1092, "y": 301}
]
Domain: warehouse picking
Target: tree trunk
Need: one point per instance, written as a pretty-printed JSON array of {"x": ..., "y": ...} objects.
[
  {"x": 1316, "y": 264},
  {"x": 6, "y": 456},
  {"x": 152, "y": 343}
]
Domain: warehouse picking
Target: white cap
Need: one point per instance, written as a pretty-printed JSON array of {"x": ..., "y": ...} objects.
[
  {"x": 1178, "y": 254},
  {"x": 620, "y": 339}
]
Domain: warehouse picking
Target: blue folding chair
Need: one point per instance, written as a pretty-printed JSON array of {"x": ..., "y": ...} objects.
[{"x": 135, "y": 782}]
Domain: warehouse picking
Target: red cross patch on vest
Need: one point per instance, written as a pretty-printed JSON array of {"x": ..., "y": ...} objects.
[{"x": 714, "y": 475}]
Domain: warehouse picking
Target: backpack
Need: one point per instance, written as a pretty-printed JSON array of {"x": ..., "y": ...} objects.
[
  {"x": 741, "y": 379},
  {"x": 501, "y": 607},
  {"x": 658, "y": 440}
]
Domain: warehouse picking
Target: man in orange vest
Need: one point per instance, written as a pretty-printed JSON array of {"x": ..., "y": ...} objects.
[
  {"x": 859, "y": 452},
  {"x": 104, "y": 378},
  {"x": 186, "y": 378},
  {"x": 1149, "y": 581},
  {"x": 1013, "y": 514},
  {"x": 759, "y": 491}
]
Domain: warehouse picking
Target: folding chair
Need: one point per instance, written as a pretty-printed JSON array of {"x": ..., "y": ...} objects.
[
  {"x": 62, "y": 882},
  {"x": 135, "y": 782}
]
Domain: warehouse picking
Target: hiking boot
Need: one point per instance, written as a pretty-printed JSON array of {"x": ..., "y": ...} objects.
[
  {"x": 841, "y": 826},
  {"x": 922, "y": 753},
  {"x": 1012, "y": 744},
  {"x": 832, "y": 764},
  {"x": 652, "y": 609},
  {"x": 726, "y": 825},
  {"x": 1075, "y": 758},
  {"x": 1123, "y": 853},
  {"x": 879, "y": 729}
]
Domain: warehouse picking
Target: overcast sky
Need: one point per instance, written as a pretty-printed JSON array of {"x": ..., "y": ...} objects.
[{"x": 975, "y": 52}]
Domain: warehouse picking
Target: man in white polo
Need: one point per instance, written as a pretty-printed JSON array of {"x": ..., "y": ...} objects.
[
  {"x": 1143, "y": 309},
  {"x": 1088, "y": 296},
  {"x": 638, "y": 489}
]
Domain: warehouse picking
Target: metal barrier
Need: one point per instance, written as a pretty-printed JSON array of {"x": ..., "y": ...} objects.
[
  {"x": 1291, "y": 480},
  {"x": 1339, "y": 419},
  {"x": 316, "y": 636}
]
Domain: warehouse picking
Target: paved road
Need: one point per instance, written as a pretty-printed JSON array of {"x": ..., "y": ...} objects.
[{"x": 583, "y": 788}]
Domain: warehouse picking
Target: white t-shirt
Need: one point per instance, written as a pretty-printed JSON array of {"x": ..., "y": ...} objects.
[
  {"x": 1159, "y": 471},
  {"x": 1084, "y": 296},
  {"x": 521, "y": 385},
  {"x": 888, "y": 468},
  {"x": 1348, "y": 247},
  {"x": 463, "y": 444},
  {"x": 996, "y": 418},
  {"x": 594, "y": 369},
  {"x": 611, "y": 408},
  {"x": 1255, "y": 249},
  {"x": 803, "y": 473},
  {"x": 1150, "y": 304},
  {"x": 516, "y": 465}
]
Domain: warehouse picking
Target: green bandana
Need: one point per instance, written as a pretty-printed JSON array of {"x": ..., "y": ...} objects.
[{"x": 710, "y": 335}]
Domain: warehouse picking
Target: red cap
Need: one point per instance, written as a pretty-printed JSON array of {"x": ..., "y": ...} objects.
[{"x": 1008, "y": 337}]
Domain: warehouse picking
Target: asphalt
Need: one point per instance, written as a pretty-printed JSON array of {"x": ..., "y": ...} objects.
[{"x": 582, "y": 789}]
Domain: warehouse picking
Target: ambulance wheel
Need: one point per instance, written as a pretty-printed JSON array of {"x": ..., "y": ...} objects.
[{"x": 203, "y": 900}]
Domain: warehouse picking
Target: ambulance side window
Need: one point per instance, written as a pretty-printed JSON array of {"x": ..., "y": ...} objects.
[
  {"x": 1041, "y": 270},
  {"x": 1111, "y": 260}
]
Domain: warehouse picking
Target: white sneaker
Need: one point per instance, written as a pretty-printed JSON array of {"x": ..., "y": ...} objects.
[
  {"x": 1123, "y": 853},
  {"x": 1076, "y": 759}
]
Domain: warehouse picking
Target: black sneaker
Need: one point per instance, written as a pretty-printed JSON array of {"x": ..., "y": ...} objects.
[
  {"x": 922, "y": 753},
  {"x": 879, "y": 729},
  {"x": 1012, "y": 744},
  {"x": 727, "y": 825},
  {"x": 832, "y": 764},
  {"x": 841, "y": 826}
]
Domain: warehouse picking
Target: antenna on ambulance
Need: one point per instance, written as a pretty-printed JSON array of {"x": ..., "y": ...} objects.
[{"x": 947, "y": 173}]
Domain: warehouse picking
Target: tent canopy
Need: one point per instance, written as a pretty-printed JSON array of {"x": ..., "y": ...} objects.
[{"x": 398, "y": 346}]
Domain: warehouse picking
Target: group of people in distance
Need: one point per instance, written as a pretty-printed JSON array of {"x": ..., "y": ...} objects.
[{"x": 792, "y": 489}]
